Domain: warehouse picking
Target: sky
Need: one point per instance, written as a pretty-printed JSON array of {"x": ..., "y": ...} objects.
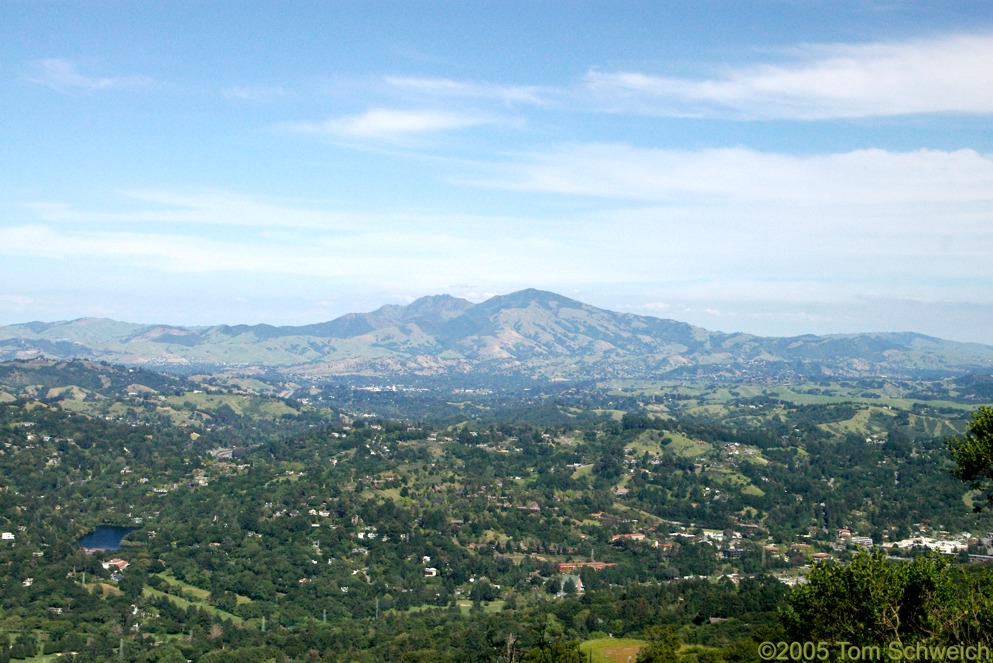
[{"x": 777, "y": 167}]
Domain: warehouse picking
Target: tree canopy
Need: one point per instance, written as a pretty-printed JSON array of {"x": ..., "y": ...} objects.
[{"x": 973, "y": 453}]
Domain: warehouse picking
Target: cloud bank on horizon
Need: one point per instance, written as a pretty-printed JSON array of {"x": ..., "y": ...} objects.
[{"x": 775, "y": 168}]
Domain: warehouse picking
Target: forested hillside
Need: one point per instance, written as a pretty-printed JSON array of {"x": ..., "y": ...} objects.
[{"x": 674, "y": 520}]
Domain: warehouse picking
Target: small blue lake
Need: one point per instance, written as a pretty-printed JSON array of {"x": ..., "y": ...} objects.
[{"x": 105, "y": 537}]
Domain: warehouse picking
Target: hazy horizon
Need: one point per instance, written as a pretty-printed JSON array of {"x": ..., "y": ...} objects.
[{"x": 167, "y": 323}]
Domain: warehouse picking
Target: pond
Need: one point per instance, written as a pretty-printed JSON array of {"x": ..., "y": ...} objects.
[{"x": 105, "y": 537}]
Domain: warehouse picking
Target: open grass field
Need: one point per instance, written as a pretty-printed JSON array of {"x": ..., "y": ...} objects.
[
  {"x": 735, "y": 481},
  {"x": 192, "y": 595},
  {"x": 685, "y": 447},
  {"x": 892, "y": 393},
  {"x": 491, "y": 606},
  {"x": 583, "y": 471},
  {"x": 199, "y": 593},
  {"x": 173, "y": 581},
  {"x": 679, "y": 445},
  {"x": 611, "y": 650},
  {"x": 186, "y": 603}
]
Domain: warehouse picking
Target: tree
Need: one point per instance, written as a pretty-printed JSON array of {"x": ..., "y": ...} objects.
[
  {"x": 663, "y": 643},
  {"x": 166, "y": 654},
  {"x": 973, "y": 454},
  {"x": 872, "y": 601},
  {"x": 555, "y": 652},
  {"x": 25, "y": 646},
  {"x": 132, "y": 584}
]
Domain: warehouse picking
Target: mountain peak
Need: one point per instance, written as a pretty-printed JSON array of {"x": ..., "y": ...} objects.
[
  {"x": 445, "y": 306},
  {"x": 530, "y": 331},
  {"x": 529, "y": 296}
]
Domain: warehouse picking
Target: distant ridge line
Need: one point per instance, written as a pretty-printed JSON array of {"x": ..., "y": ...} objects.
[{"x": 530, "y": 332}]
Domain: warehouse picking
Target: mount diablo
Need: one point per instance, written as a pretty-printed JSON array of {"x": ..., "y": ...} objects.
[{"x": 530, "y": 333}]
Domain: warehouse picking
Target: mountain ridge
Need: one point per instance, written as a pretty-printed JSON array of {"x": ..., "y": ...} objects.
[{"x": 531, "y": 332}]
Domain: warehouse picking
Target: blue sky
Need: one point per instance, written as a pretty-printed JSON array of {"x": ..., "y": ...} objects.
[{"x": 771, "y": 167}]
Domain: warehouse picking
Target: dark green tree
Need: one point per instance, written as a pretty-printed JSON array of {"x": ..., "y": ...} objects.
[
  {"x": 663, "y": 643},
  {"x": 973, "y": 453},
  {"x": 872, "y": 601},
  {"x": 555, "y": 652},
  {"x": 26, "y": 646}
]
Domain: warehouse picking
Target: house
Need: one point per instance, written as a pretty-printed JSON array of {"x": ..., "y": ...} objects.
[
  {"x": 114, "y": 563},
  {"x": 636, "y": 536},
  {"x": 948, "y": 547},
  {"x": 7, "y": 536},
  {"x": 430, "y": 572}
]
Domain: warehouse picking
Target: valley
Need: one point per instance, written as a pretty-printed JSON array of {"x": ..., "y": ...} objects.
[{"x": 283, "y": 514}]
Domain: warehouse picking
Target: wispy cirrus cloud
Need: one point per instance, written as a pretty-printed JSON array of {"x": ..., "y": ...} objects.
[
  {"x": 859, "y": 177},
  {"x": 256, "y": 93},
  {"x": 62, "y": 75},
  {"x": 732, "y": 215},
  {"x": 218, "y": 208},
  {"x": 390, "y": 125},
  {"x": 952, "y": 74},
  {"x": 167, "y": 252},
  {"x": 205, "y": 208},
  {"x": 696, "y": 242},
  {"x": 376, "y": 254},
  {"x": 453, "y": 89}
]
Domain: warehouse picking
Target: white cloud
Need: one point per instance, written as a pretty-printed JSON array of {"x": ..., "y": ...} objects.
[
  {"x": 950, "y": 74},
  {"x": 63, "y": 76},
  {"x": 740, "y": 224},
  {"x": 707, "y": 177},
  {"x": 683, "y": 258},
  {"x": 167, "y": 252},
  {"x": 203, "y": 209},
  {"x": 422, "y": 251},
  {"x": 383, "y": 124},
  {"x": 256, "y": 93},
  {"x": 447, "y": 88},
  {"x": 731, "y": 222}
]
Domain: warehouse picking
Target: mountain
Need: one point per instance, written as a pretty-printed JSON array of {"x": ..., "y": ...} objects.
[{"x": 530, "y": 333}]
